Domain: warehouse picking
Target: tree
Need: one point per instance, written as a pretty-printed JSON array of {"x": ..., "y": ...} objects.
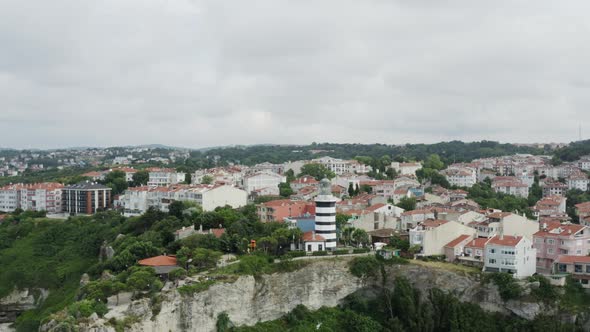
[
  {"x": 360, "y": 237},
  {"x": 117, "y": 181},
  {"x": 290, "y": 174},
  {"x": 285, "y": 189},
  {"x": 407, "y": 203},
  {"x": 350, "y": 190},
  {"x": 357, "y": 190},
  {"x": 140, "y": 178},
  {"x": 207, "y": 179},
  {"x": 433, "y": 162},
  {"x": 175, "y": 209},
  {"x": 188, "y": 178},
  {"x": 318, "y": 171},
  {"x": 399, "y": 243},
  {"x": 365, "y": 188}
]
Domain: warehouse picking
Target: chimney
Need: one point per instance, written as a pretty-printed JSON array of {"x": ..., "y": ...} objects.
[{"x": 501, "y": 233}]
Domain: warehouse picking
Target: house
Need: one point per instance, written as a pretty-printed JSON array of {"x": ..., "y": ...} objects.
[
  {"x": 401, "y": 193},
  {"x": 278, "y": 210},
  {"x": 263, "y": 180},
  {"x": 512, "y": 254},
  {"x": 576, "y": 266},
  {"x": 95, "y": 176},
  {"x": 551, "y": 188},
  {"x": 162, "y": 177},
  {"x": 405, "y": 181},
  {"x": 406, "y": 168},
  {"x": 382, "y": 235},
  {"x": 385, "y": 188},
  {"x": 432, "y": 235},
  {"x": 486, "y": 174},
  {"x": 410, "y": 219},
  {"x": 584, "y": 163},
  {"x": 510, "y": 185},
  {"x": 360, "y": 202},
  {"x": 583, "y": 212},
  {"x": 578, "y": 181},
  {"x": 339, "y": 166},
  {"x": 129, "y": 172},
  {"x": 161, "y": 264},
  {"x": 313, "y": 242},
  {"x": 474, "y": 252},
  {"x": 460, "y": 176},
  {"x": 305, "y": 193},
  {"x": 550, "y": 206},
  {"x": 304, "y": 181},
  {"x": 456, "y": 247},
  {"x": 557, "y": 239},
  {"x": 375, "y": 217},
  {"x": 85, "y": 198}
]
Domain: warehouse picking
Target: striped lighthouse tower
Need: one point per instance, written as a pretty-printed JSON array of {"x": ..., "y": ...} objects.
[{"x": 325, "y": 214}]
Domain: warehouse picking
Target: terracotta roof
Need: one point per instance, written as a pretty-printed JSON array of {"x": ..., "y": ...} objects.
[
  {"x": 311, "y": 237},
  {"x": 458, "y": 240},
  {"x": 159, "y": 261},
  {"x": 558, "y": 229},
  {"x": 506, "y": 240},
  {"x": 218, "y": 232},
  {"x": 413, "y": 212},
  {"x": 305, "y": 180},
  {"x": 433, "y": 223},
  {"x": 583, "y": 207},
  {"x": 376, "y": 206},
  {"x": 477, "y": 243},
  {"x": 569, "y": 259},
  {"x": 499, "y": 215}
]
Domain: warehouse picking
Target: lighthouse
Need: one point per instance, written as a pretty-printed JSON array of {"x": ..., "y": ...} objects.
[{"x": 325, "y": 214}]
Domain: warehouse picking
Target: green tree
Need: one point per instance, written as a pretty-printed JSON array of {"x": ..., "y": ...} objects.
[
  {"x": 318, "y": 171},
  {"x": 360, "y": 237},
  {"x": 290, "y": 174},
  {"x": 434, "y": 162},
  {"x": 176, "y": 208},
  {"x": 407, "y": 203},
  {"x": 350, "y": 190},
  {"x": 140, "y": 178},
  {"x": 285, "y": 189},
  {"x": 357, "y": 190},
  {"x": 207, "y": 179}
]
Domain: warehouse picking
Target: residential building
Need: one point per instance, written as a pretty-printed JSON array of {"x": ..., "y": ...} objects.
[
  {"x": 263, "y": 180},
  {"x": 280, "y": 209},
  {"x": 85, "y": 198},
  {"x": 406, "y": 168},
  {"x": 33, "y": 197},
  {"x": 432, "y": 235},
  {"x": 162, "y": 177},
  {"x": 304, "y": 181},
  {"x": 584, "y": 163},
  {"x": 550, "y": 206},
  {"x": 578, "y": 181},
  {"x": 555, "y": 239},
  {"x": 510, "y": 185},
  {"x": 378, "y": 216},
  {"x": 576, "y": 266},
  {"x": 583, "y": 213},
  {"x": 460, "y": 176},
  {"x": 314, "y": 242},
  {"x": 512, "y": 254},
  {"x": 551, "y": 188},
  {"x": 410, "y": 219},
  {"x": 339, "y": 166}
]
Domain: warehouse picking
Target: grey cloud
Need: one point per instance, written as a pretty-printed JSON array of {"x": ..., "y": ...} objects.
[{"x": 203, "y": 73}]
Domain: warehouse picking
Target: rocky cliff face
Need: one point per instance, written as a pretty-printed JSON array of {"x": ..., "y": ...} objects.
[
  {"x": 323, "y": 283},
  {"x": 19, "y": 301}
]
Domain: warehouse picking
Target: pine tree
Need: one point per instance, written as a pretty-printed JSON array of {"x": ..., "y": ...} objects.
[{"x": 350, "y": 190}]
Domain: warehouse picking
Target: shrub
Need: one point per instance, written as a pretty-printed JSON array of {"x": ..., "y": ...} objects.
[
  {"x": 195, "y": 288},
  {"x": 545, "y": 292},
  {"x": 176, "y": 274},
  {"x": 252, "y": 265},
  {"x": 319, "y": 253},
  {"x": 507, "y": 285},
  {"x": 363, "y": 267},
  {"x": 360, "y": 250}
]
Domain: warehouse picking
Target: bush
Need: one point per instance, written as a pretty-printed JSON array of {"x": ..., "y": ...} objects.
[
  {"x": 195, "y": 288},
  {"x": 319, "y": 253},
  {"x": 176, "y": 274},
  {"x": 507, "y": 285},
  {"x": 341, "y": 252},
  {"x": 360, "y": 250},
  {"x": 252, "y": 265},
  {"x": 363, "y": 267}
]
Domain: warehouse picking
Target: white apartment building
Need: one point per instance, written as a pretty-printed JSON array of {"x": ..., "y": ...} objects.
[
  {"x": 406, "y": 168},
  {"x": 162, "y": 177},
  {"x": 578, "y": 181},
  {"x": 259, "y": 181},
  {"x": 460, "y": 176},
  {"x": 432, "y": 235},
  {"x": 511, "y": 254},
  {"x": 34, "y": 197},
  {"x": 511, "y": 186},
  {"x": 339, "y": 166},
  {"x": 137, "y": 200}
]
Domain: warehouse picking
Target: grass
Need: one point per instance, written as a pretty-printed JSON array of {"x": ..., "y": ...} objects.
[{"x": 457, "y": 268}]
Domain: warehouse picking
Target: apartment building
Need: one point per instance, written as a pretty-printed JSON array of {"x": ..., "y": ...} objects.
[
  {"x": 34, "y": 197},
  {"x": 555, "y": 239},
  {"x": 511, "y": 254},
  {"x": 85, "y": 198},
  {"x": 162, "y": 177}
]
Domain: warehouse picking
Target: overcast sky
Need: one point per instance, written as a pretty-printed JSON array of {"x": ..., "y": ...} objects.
[{"x": 207, "y": 73}]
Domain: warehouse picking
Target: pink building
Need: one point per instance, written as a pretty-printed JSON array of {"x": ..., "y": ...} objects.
[{"x": 560, "y": 239}]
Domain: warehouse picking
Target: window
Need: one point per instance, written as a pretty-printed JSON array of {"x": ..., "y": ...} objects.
[
  {"x": 492, "y": 261},
  {"x": 578, "y": 268},
  {"x": 562, "y": 242},
  {"x": 539, "y": 240},
  {"x": 550, "y": 241},
  {"x": 587, "y": 268},
  {"x": 550, "y": 250},
  {"x": 562, "y": 268},
  {"x": 492, "y": 251}
]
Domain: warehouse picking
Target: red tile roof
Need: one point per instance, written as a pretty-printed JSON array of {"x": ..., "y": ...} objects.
[
  {"x": 477, "y": 243},
  {"x": 583, "y": 207},
  {"x": 433, "y": 223},
  {"x": 376, "y": 206},
  {"x": 569, "y": 259},
  {"x": 558, "y": 229},
  {"x": 458, "y": 240},
  {"x": 499, "y": 215},
  {"x": 159, "y": 261},
  {"x": 311, "y": 237},
  {"x": 506, "y": 240}
]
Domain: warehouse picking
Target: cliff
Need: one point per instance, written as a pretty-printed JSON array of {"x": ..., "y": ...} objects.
[{"x": 322, "y": 283}]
